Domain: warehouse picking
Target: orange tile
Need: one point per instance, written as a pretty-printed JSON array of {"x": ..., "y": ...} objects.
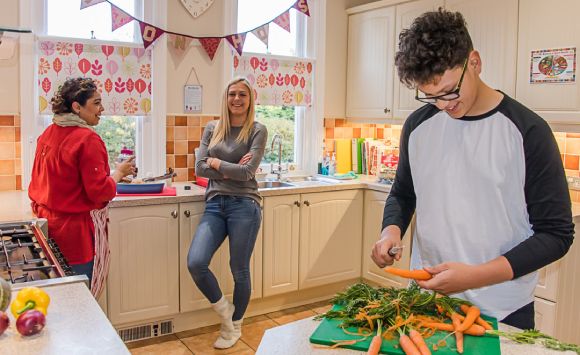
[
  {"x": 190, "y": 161},
  {"x": 572, "y": 146},
  {"x": 205, "y": 120},
  {"x": 7, "y": 121},
  {"x": 180, "y": 121},
  {"x": 191, "y": 145},
  {"x": 18, "y": 182},
  {"x": 380, "y": 133},
  {"x": 329, "y": 133},
  {"x": 193, "y": 121},
  {"x": 252, "y": 333},
  {"x": 180, "y": 133},
  {"x": 6, "y": 167},
  {"x": 339, "y": 122},
  {"x": 329, "y": 122},
  {"x": 169, "y": 133},
  {"x": 16, "y": 121},
  {"x": 169, "y": 147},
  {"x": 193, "y": 133},
  {"x": 17, "y": 150},
  {"x": 7, "y": 134},
  {"x": 7, "y": 150},
  {"x": 7, "y": 183},
  {"x": 571, "y": 161},
  {"x": 203, "y": 344},
  {"x": 181, "y": 161},
  {"x": 17, "y": 134},
  {"x": 170, "y": 121},
  {"x": 291, "y": 315},
  {"x": 181, "y": 174},
  {"x": 190, "y": 174},
  {"x": 329, "y": 145},
  {"x": 180, "y": 147},
  {"x": 572, "y": 135},
  {"x": 356, "y": 132},
  {"x": 170, "y": 161}
]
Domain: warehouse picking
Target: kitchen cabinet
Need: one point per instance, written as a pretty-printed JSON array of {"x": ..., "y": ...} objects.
[
  {"x": 311, "y": 240},
  {"x": 555, "y": 102},
  {"x": 143, "y": 280},
  {"x": 191, "y": 298},
  {"x": 373, "y": 87},
  {"x": 373, "y": 217}
]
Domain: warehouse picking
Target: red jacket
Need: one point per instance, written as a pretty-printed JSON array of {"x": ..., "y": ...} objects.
[{"x": 70, "y": 177}]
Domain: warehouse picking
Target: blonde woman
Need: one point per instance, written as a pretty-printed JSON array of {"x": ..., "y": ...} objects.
[{"x": 230, "y": 152}]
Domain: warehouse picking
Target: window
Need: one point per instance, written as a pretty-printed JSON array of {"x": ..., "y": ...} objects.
[{"x": 279, "y": 119}]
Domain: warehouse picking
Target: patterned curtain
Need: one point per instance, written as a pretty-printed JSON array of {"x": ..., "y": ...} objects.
[
  {"x": 122, "y": 74},
  {"x": 277, "y": 81}
]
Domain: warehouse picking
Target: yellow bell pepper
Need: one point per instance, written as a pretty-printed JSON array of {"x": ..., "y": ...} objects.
[{"x": 30, "y": 298}]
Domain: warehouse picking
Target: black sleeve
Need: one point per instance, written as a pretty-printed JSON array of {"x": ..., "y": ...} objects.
[{"x": 547, "y": 197}]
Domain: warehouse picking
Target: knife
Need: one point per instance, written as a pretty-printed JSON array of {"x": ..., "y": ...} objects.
[{"x": 394, "y": 250}]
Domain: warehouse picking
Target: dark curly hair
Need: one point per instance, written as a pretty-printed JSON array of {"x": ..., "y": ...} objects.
[
  {"x": 435, "y": 42},
  {"x": 74, "y": 89}
]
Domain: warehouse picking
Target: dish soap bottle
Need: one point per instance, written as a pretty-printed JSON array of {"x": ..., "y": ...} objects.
[{"x": 332, "y": 165}]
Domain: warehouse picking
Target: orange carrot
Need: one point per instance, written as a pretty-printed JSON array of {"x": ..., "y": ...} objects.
[
  {"x": 419, "y": 342},
  {"x": 419, "y": 274},
  {"x": 485, "y": 324},
  {"x": 458, "y": 334},
  {"x": 375, "y": 346},
  {"x": 408, "y": 346},
  {"x": 475, "y": 329},
  {"x": 471, "y": 314}
]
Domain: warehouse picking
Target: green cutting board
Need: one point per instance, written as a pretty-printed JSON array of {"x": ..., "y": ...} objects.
[{"x": 329, "y": 330}]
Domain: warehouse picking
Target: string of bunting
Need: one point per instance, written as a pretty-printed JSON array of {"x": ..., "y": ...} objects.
[{"x": 150, "y": 33}]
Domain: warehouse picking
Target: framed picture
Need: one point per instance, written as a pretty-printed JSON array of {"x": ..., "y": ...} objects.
[{"x": 192, "y": 96}]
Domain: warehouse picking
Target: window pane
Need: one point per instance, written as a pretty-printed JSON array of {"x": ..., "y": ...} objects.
[
  {"x": 117, "y": 132},
  {"x": 66, "y": 19},
  {"x": 279, "y": 120},
  {"x": 253, "y": 13}
]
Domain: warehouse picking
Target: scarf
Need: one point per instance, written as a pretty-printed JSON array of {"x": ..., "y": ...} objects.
[{"x": 70, "y": 120}]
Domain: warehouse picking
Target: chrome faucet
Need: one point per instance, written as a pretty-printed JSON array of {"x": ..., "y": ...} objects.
[{"x": 279, "y": 171}]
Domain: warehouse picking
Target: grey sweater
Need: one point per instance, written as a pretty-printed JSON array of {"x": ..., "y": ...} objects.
[{"x": 232, "y": 178}]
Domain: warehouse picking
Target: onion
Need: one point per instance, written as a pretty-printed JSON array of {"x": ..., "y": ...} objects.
[
  {"x": 30, "y": 322},
  {"x": 4, "y": 322}
]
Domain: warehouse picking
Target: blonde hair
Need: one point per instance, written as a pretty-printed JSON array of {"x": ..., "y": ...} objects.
[{"x": 223, "y": 127}]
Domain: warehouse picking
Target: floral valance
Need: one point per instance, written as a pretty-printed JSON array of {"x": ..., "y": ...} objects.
[
  {"x": 122, "y": 74},
  {"x": 278, "y": 81}
]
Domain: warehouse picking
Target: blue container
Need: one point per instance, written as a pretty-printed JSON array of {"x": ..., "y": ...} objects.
[{"x": 154, "y": 188}]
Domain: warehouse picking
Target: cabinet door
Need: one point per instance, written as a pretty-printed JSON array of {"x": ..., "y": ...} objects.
[
  {"x": 547, "y": 286},
  {"x": 144, "y": 271},
  {"x": 281, "y": 232},
  {"x": 373, "y": 218},
  {"x": 369, "y": 83},
  {"x": 191, "y": 298},
  {"x": 330, "y": 237},
  {"x": 538, "y": 30},
  {"x": 545, "y": 316},
  {"x": 404, "y": 98},
  {"x": 493, "y": 28}
]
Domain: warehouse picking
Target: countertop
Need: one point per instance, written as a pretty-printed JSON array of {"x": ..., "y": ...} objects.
[
  {"x": 292, "y": 339},
  {"x": 75, "y": 324}
]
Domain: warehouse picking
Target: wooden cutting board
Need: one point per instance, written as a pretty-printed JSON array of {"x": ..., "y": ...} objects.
[{"x": 328, "y": 331}]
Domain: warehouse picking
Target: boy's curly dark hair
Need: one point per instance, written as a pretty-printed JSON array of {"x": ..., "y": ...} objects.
[
  {"x": 435, "y": 42},
  {"x": 74, "y": 89}
]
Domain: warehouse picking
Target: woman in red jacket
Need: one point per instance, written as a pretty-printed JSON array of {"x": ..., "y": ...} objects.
[{"x": 71, "y": 183}]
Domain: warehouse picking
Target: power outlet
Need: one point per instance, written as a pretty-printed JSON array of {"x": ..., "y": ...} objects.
[{"x": 573, "y": 182}]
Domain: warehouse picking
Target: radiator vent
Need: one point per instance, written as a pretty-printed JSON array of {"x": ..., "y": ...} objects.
[{"x": 146, "y": 331}]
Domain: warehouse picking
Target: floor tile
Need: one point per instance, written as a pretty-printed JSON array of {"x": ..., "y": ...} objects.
[
  {"x": 291, "y": 314},
  {"x": 174, "y": 347},
  {"x": 322, "y": 309},
  {"x": 203, "y": 345},
  {"x": 252, "y": 333},
  {"x": 198, "y": 331}
]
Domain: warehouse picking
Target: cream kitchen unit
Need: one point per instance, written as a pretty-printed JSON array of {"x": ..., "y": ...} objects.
[{"x": 373, "y": 87}]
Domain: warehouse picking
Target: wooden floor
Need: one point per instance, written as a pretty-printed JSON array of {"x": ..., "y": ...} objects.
[{"x": 200, "y": 341}]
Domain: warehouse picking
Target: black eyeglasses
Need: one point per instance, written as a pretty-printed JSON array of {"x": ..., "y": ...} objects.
[{"x": 445, "y": 97}]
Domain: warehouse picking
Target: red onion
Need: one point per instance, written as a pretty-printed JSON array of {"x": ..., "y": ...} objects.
[
  {"x": 4, "y": 322},
  {"x": 30, "y": 322}
]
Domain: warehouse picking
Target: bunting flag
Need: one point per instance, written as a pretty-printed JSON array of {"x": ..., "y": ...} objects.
[
  {"x": 179, "y": 43},
  {"x": 210, "y": 45},
  {"x": 283, "y": 21},
  {"x": 262, "y": 33},
  {"x": 150, "y": 33},
  {"x": 119, "y": 18}
]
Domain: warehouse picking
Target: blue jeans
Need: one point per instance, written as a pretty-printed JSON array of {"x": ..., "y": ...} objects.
[{"x": 239, "y": 219}]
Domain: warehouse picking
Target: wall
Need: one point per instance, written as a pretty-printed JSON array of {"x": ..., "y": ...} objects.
[{"x": 9, "y": 69}]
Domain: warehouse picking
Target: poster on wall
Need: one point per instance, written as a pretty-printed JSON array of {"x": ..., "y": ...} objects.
[
  {"x": 192, "y": 98},
  {"x": 554, "y": 65}
]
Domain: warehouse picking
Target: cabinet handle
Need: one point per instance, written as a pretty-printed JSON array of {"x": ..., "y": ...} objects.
[
  {"x": 387, "y": 110},
  {"x": 297, "y": 203},
  {"x": 307, "y": 203},
  {"x": 174, "y": 214},
  {"x": 187, "y": 213}
]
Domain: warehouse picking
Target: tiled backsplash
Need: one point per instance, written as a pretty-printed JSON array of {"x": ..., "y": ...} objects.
[
  {"x": 10, "y": 148},
  {"x": 183, "y": 136}
]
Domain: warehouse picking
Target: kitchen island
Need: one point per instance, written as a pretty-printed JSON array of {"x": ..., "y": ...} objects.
[
  {"x": 292, "y": 339},
  {"x": 75, "y": 324}
]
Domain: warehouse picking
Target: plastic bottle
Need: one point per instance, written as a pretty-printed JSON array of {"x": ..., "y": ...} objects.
[
  {"x": 325, "y": 164},
  {"x": 332, "y": 165}
]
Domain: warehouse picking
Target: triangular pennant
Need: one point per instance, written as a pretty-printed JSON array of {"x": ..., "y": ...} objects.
[
  {"x": 87, "y": 3},
  {"x": 283, "y": 21},
  {"x": 210, "y": 45},
  {"x": 149, "y": 33},
  {"x": 302, "y": 6},
  {"x": 119, "y": 17},
  {"x": 237, "y": 41},
  {"x": 262, "y": 33},
  {"x": 180, "y": 43}
]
